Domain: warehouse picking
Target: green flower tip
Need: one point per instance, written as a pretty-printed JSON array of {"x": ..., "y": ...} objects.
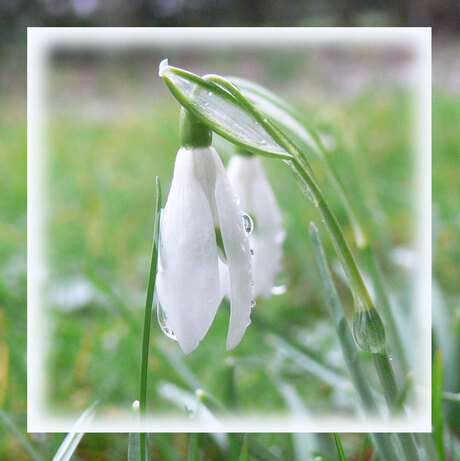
[
  {"x": 192, "y": 132},
  {"x": 368, "y": 330}
]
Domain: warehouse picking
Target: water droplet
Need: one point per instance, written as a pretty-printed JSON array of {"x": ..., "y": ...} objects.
[
  {"x": 278, "y": 290},
  {"x": 256, "y": 123},
  {"x": 248, "y": 223},
  {"x": 391, "y": 357},
  {"x": 280, "y": 286},
  {"x": 189, "y": 412},
  {"x": 253, "y": 302},
  {"x": 251, "y": 251},
  {"x": 163, "y": 322},
  {"x": 263, "y": 142},
  {"x": 210, "y": 93}
]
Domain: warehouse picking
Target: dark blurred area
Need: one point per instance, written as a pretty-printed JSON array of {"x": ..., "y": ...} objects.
[
  {"x": 16, "y": 15},
  {"x": 440, "y": 14}
]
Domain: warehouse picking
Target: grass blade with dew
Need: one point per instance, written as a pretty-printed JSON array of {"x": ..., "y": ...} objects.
[
  {"x": 72, "y": 439},
  {"x": 148, "y": 317},
  {"x": 338, "y": 444},
  {"x": 350, "y": 351},
  {"x": 438, "y": 420},
  {"x": 31, "y": 450}
]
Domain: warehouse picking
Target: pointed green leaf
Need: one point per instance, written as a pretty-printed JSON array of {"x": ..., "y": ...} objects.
[
  {"x": 338, "y": 444},
  {"x": 72, "y": 439}
]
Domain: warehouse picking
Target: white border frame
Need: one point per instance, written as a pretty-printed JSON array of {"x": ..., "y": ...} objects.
[{"x": 41, "y": 40}]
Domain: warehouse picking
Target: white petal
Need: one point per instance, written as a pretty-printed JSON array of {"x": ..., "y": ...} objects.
[
  {"x": 250, "y": 183},
  {"x": 238, "y": 255},
  {"x": 188, "y": 277}
]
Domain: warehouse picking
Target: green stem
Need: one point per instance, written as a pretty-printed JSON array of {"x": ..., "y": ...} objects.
[
  {"x": 350, "y": 351},
  {"x": 147, "y": 320},
  {"x": 360, "y": 293},
  {"x": 390, "y": 390},
  {"x": 383, "y": 301}
]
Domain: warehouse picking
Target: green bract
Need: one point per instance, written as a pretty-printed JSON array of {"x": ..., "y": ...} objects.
[{"x": 221, "y": 112}]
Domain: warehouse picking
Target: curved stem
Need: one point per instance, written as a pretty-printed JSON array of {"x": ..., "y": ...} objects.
[{"x": 359, "y": 290}]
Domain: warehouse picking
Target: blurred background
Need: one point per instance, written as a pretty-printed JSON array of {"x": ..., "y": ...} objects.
[{"x": 116, "y": 112}]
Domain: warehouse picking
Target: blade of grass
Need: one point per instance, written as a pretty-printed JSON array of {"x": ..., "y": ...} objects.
[
  {"x": 244, "y": 449},
  {"x": 438, "y": 421},
  {"x": 350, "y": 351},
  {"x": 257, "y": 450},
  {"x": 310, "y": 365},
  {"x": 390, "y": 390},
  {"x": 193, "y": 448},
  {"x": 338, "y": 444},
  {"x": 398, "y": 404},
  {"x": 148, "y": 318},
  {"x": 34, "y": 454},
  {"x": 72, "y": 439}
]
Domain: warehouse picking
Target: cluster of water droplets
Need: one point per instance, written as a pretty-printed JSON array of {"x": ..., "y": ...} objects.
[{"x": 248, "y": 225}]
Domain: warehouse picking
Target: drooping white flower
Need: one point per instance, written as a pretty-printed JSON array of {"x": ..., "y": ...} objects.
[
  {"x": 202, "y": 242},
  {"x": 247, "y": 175}
]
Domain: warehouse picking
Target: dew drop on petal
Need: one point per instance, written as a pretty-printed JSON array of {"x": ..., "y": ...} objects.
[
  {"x": 253, "y": 302},
  {"x": 252, "y": 252},
  {"x": 248, "y": 223},
  {"x": 163, "y": 322}
]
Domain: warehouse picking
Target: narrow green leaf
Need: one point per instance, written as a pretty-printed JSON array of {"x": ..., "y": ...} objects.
[
  {"x": 400, "y": 399},
  {"x": 72, "y": 439},
  {"x": 310, "y": 365},
  {"x": 219, "y": 110},
  {"x": 244, "y": 449},
  {"x": 338, "y": 444},
  {"x": 193, "y": 448},
  {"x": 438, "y": 420},
  {"x": 143, "y": 441},
  {"x": 451, "y": 397},
  {"x": 34, "y": 454}
]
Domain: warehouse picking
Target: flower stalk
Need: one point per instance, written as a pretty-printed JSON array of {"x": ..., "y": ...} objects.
[{"x": 147, "y": 319}]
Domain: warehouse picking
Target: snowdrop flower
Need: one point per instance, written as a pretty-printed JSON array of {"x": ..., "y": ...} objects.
[
  {"x": 250, "y": 183},
  {"x": 202, "y": 243}
]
